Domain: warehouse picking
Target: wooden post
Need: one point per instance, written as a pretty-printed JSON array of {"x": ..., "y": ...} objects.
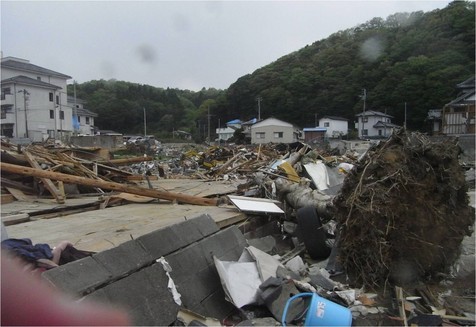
[
  {"x": 50, "y": 186},
  {"x": 170, "y": 196}
]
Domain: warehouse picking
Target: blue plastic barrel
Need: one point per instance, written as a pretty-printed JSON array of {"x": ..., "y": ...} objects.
[{"x": 321, "y": 312}]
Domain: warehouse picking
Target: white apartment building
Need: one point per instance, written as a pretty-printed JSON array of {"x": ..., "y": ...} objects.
[
  {"x": 374, "y": 124},
  {"x": 33, "y": 101}
]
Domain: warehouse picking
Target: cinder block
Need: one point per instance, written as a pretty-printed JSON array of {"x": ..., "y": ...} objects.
[
  {"x": 79, "y": 277},
  {"x": 172, "y": 238},
  {"x": 195, "y": 275},
  {"x": 145, "y": 296},
  {"x": 124, "y": 259}
]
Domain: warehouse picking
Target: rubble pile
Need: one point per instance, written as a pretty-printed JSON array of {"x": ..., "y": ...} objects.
[{"x": 403, "y": 211}]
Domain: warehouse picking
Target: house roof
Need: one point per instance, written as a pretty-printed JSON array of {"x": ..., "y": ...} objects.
[
  {"x": 20, "y": 79},
  {"x": 373, "y": 113},
  {"x": 24, "y": 65},
  {"x": 77, "y": 100},
  {"x": 85, "y": 112},
  {"x": 272, "y": 122},
  {"x": 334, "y": 118},
  {"x": 314, "y": 129},
  {"x": 465, "y": 98},
  {"x": 384, "y": 124},
  {"x": 469, "y": 83}
]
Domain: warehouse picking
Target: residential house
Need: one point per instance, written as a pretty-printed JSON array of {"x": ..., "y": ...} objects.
[
  {"x": 458, "y": 116},
  {"x": 273, "y": 130},
  {"x": 335, "y": 126},
  {"x": 433, "y": 121},
  {"x": 374, "y": 124},
  {"x": 84, "y": 123},
  {"x": 224, "y": 133},
  {"x": 33, "y": 101}
]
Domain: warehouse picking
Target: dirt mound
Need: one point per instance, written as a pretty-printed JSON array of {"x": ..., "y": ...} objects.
[{"x": 404, "y": 211}]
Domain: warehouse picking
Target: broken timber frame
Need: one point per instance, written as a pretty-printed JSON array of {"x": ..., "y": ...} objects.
[
  {"x": 50, "y": 186},
  {"x": 170, "y": 196}
]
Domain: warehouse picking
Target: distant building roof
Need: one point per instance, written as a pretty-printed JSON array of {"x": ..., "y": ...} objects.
[
  {"x": 314, "y": 129},
  {"x": 24, "y": 65},
  {"x": 335, "y": 118},
  {"x": 233, "y": 122},
  {"x": 29, "y": 81},
  {"x": 384, "y": 124},
  {"x": 373, "y": 113},
  {"x": 85, "y": 112},
  {"x": 469, "y": 83}
]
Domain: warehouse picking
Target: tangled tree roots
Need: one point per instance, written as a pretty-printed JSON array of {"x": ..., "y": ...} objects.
[{"x": 404, "y": 211}]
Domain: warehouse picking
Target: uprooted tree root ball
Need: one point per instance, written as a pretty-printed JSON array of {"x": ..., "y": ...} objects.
[{"x": 404, "y": 211}]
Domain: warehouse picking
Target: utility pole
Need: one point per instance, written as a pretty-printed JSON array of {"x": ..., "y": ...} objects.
[
  {"x": 364, "y": 97},
  {"x": 259, "y": 107},
  {"x": 405, "y": 121},
  {"x": 145, "y": 123},
  {"x": 208, "y": 116},
  {"x": 25, "y": 96},
  {"x": 75, "y": 110},
  {"x": 315, "y": 120}
]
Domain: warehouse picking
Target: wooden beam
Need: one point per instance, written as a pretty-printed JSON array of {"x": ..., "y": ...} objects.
[
  {"x": 50, "y": 186},
  {"x": 170, "y": 196},
  {"x": 125, "y": 160},
  {"x": 17, "y": 185}
]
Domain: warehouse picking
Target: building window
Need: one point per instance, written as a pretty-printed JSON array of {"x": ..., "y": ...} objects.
[
  {"x": 52, "y": 114},
  {"x": 5, "y": 90},
  {"x": 6, "y": 108},
  {"x": 365, "y": 119},
  {"x": 79, "y": 119},
  {"x": 61, "y": 114},
  {"x": 6, "y": 130},
  {"x": 87, "y": 120},
  {"x": 57, "y": 99},
  {"x": 380, "y": 132},
  {"x": 260, "y": 135},
  {"x": 365, "y": 132},
  {"x": 38, "y": 78},
  {"x": 51, "y": 96},
  {"x": 278, "y": 135},
  {"x": 326, "y": 124}
]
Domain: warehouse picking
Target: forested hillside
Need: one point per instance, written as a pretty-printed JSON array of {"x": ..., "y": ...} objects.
[{"x": 415, "y": 58}]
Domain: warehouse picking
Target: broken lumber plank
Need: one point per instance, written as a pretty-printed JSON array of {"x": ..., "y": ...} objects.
[
  {"x": 17, "y": 185},
  {"x": 50, "y": 186},
  {"x": 124, "y": 161},
  {"x": 15, "y": 219},
  {"x": 181, "y": 198},
  {"x": 141, "y": 178},
  {"x": 401, "y": 304}
]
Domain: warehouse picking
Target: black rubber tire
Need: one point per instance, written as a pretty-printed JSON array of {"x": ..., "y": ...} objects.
[{"x": 312, "y": 233}]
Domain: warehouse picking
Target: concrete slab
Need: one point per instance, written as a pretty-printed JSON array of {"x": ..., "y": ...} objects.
[
  {"x": 79, "y": 277},
  {"x": 145, "y": 296},
  {"x": 124, "y": 259}
]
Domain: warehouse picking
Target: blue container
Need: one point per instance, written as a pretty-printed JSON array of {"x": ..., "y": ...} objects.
[{"x": 321, "y": 312}]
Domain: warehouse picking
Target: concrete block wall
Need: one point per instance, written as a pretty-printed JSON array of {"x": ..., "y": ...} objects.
[{"x": 129, "y": 277}]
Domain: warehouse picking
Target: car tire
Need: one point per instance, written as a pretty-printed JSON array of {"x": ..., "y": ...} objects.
[{"x": 312, "y": 233}]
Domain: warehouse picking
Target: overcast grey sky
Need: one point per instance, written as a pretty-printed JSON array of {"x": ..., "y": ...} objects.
[{"x": 177, "y": 44}]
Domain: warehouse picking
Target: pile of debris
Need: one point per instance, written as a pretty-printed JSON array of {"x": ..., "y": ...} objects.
[{"x": 403, "y": 211}]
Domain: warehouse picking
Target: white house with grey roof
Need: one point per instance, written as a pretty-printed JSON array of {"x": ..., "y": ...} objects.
[
  {"x": 374, "y": 124},
  {"x": 335, "y": 126},
  {"x": 84, "y": 124},
  {"x": 33, "y": 101}
]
